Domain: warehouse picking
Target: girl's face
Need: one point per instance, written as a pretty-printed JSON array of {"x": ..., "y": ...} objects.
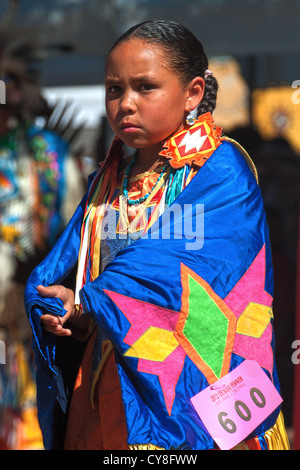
[{"x": 145, "y": 100}]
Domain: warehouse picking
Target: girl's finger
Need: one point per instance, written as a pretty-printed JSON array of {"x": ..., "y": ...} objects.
[
  {"x": 57, "y": 330},
  {"x": 50, "y": 291},
  {"x": 50, "y": 319},
  {"x": 53, "y": 324}
]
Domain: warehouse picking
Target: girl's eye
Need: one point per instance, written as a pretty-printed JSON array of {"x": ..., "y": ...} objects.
[
  {"x": 146, "y": 87},
  {"x": 114, "y": 89}
]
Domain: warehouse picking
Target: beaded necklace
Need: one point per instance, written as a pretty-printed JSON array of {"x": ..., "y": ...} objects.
[{"x": 126, "y": 179}]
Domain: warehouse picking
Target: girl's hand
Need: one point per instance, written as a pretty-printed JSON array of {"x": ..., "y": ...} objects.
[{"x": 54, "y": 323}]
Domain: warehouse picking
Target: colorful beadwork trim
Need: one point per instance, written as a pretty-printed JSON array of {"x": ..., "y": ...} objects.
[{"x": 193, "y": 144}]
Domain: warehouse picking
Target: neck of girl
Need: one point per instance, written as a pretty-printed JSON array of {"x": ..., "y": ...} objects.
[{"x": 147, "y": 160}]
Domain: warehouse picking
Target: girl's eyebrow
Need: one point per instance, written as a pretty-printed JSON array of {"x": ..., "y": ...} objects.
[
  {"x": 142, "y": 78},
  {"x": 111, "y": 80},
  {"x": 138, "y": 78}
]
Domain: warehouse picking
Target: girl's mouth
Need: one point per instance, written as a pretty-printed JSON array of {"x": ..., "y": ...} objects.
[{"x": 128, "y": 128}]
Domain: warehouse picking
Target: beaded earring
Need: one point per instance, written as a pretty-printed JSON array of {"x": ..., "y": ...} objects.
[{"x": 190, "y": 120}]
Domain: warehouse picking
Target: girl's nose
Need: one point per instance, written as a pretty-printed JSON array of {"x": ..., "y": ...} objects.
[{"x": 127, "y": 103}]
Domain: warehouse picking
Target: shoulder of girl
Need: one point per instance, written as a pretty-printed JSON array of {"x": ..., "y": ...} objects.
[{"x": 244, "y": 154}]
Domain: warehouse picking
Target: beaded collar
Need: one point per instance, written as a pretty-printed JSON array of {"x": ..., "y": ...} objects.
[
  {"x": 191, "y": 145},
  {"x": 125, "y": 183}
]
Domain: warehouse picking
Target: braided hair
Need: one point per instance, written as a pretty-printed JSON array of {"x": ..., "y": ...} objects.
[{"x": 185, "y": 52}]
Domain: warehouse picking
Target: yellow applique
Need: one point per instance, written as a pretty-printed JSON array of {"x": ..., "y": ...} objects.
[
  {"x": 156, "y": 344},
  {"x": 254, "y": 320}
]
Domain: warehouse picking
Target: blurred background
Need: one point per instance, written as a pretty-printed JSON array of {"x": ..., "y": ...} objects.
[{"x": 53, "y": 133}]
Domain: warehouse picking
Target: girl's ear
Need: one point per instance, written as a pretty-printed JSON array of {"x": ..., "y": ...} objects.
[{"x": 195, "y": 92}]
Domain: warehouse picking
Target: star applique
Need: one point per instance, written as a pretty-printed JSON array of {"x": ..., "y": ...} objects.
[{"x": 207, "y": 329}]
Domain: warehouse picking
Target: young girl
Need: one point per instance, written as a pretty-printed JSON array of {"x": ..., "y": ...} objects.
[{"x": 165, "y": 307}]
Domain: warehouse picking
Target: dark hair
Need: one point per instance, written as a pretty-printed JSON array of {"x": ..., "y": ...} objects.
[{"x": 186, "y": 53}]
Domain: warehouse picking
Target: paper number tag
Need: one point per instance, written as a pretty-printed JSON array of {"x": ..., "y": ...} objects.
[{"x": 236, "y": 404}]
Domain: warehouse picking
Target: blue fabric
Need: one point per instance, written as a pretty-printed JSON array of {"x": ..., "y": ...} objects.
[
  {"x": 148, "y": 270},
  {"x": 53, "y": 270}
]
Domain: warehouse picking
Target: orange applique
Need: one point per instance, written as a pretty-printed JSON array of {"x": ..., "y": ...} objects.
[{"x": 193, "y": 144}]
